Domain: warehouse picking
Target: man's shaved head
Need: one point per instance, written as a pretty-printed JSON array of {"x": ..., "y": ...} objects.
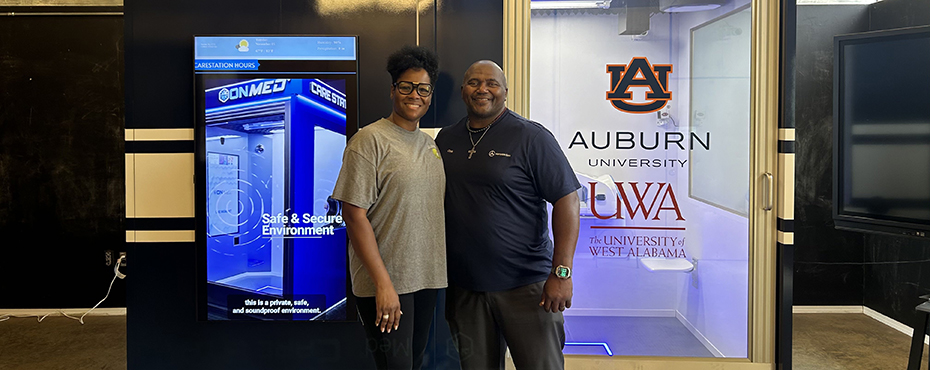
[
  {"x": 484, "y": 91},
  {"x": 487, "y": 63}
]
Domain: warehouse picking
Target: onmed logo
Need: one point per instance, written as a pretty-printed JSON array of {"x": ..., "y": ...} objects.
[
  {"x": 263, "y": 87},
  {"x": 224, "y": 95},
  {"x": 639, "y": 73}
]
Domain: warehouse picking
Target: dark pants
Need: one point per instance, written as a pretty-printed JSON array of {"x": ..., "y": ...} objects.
[
  {"x": 484, "y": 324},
  {"x": 402, "y": 348}
]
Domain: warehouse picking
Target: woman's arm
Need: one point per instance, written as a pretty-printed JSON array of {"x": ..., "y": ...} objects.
[{"x": 366, "y": 248}]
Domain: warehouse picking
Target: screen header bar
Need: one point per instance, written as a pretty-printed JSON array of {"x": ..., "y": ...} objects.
[{"x": 274, "y": 48}]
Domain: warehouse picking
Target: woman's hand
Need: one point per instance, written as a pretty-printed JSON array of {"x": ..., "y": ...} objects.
[{"x": 388, "y": 309}]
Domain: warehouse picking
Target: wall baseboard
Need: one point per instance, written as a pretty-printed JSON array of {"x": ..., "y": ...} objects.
[
  {"x": 826, "y": 309},
  {"x": 894, "y": 324},
  {"x": 700, "y": 336},
  {"x": 108, "y": 311},
  {"x": 877, "y": 316}
]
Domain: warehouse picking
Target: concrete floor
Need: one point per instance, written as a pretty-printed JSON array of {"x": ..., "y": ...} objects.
[
  {"x": 821, "y": 342},
  {"x": 59, "y": 343},
  {"x": 846, "y": 341}
]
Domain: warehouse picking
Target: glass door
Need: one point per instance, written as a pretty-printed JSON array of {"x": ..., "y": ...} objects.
[{"x": 663, "y": 110}]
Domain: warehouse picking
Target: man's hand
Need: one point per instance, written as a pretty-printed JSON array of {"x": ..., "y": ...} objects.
[{"x": 557, "y": 294}]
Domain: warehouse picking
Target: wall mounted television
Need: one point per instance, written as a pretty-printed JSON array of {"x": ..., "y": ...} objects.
[
  {"x": 881, "y": 128},
  {"x": 273, "y": 113}
]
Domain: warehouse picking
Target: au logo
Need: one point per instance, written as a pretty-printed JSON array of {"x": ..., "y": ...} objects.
[{"x": 639, "y": 73}]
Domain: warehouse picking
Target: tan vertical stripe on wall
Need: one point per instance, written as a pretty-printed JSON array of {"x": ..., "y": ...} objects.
[
  {"x": 163, "y": 134},
  {"x": 786, "y": 134},
  {"x": 130, "y": 185},
  {"x": 786, "y": 186},
  {"x": 785, "y": 238},
  {"x": 164, "y": 185},
  {"x": 159, "y": 185},
  {"x": 40, "y": 3},
  {"x": 517, "y": 55},
  {"x": 164, "y": 236}
]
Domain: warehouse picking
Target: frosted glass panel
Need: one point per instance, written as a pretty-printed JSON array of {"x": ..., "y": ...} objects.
[{"x": 720, "y": 63}]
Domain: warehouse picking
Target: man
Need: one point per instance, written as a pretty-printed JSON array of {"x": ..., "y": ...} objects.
[{"x": 508, "y": 283}]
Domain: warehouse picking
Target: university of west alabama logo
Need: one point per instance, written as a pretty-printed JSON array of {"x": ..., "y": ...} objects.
[{"x": 639, "y": 72}]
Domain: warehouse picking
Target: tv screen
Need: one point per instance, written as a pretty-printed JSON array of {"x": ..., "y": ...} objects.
[
  {"x": 882, "y": 131},
  {"x": 273, "y": 115}
]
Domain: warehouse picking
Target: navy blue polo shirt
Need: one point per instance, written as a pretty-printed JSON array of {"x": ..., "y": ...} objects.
[{"x": 497, "y": 232}]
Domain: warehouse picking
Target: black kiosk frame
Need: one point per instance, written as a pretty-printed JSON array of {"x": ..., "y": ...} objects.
[{"x": 271, "y": 244}]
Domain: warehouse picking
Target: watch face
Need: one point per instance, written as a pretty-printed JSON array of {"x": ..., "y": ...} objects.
[{"x": 562, "y": 272}]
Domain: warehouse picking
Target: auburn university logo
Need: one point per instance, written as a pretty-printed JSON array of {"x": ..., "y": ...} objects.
[{"x": 639, "y": 73}]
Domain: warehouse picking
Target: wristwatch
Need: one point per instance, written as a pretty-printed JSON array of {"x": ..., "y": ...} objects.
[{"x": 562, "y": 272}]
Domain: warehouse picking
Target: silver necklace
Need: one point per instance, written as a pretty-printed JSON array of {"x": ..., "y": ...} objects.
[
  {"x": 470, "y": 138},
  {"x": 477, "y": 131}
]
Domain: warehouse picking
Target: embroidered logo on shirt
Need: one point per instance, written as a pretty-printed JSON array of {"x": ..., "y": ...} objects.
[
  {"x": 493, "y": 154},
  {"x": 436, "y": 153}
]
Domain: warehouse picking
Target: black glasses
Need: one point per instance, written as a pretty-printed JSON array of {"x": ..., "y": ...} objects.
[{"x": 406, "y": 87}]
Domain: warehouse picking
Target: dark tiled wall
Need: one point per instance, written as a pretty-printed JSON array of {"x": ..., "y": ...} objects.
[
  {"x": 62, "y": 175},
  {"x": 897, "y": 272},
  {"x": 884, "y": 273},
  {"x": 828, "y": 262},
  {"x": 897, "y": 269}
]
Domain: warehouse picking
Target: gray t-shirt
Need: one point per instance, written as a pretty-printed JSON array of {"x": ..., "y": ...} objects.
[{"x": 397, "y": 175}]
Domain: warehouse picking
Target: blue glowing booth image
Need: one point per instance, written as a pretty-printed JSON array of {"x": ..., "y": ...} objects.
[{"x": 273, "y": 152}]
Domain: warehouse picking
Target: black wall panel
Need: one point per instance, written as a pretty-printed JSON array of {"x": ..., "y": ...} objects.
[
  {"x": 885, "y": 273},
  {"x": 784, "y": 282},
  {"x": 897, "y": 269},
  {"x": 828, "y": 262},
  {"x": 889, "y": 14},
  {"x": 62, "y": 172},
  {"x": 163, "y": 332},
  {"x": 481, "y": 23},
  {"x": 897, "y": 273}
]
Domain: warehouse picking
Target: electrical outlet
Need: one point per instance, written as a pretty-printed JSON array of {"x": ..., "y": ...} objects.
[{"x": 123, "y": 256}]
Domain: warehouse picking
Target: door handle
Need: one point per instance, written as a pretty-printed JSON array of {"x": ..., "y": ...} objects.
[{"x": 768, "y": 191}]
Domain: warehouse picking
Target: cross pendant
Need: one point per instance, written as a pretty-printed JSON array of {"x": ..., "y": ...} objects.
[{"x": 470, "y": 152}]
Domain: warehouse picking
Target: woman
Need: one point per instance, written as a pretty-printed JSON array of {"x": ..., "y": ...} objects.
[{"x": 391, "y": 187}]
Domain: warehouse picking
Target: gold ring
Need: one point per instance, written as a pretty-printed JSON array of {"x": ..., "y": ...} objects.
[{"x": 386, "y": 316}]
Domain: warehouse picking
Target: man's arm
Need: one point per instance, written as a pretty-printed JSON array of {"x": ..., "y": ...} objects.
[{"x": 557, "y": 294}]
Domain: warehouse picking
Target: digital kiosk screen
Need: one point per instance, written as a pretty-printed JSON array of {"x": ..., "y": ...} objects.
[{"x": 273, "y": 113}]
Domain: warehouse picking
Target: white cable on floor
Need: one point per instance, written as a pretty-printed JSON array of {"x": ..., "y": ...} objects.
[
  {"x": 117, "y": 274},
  {"x": 101, "y": 301}
]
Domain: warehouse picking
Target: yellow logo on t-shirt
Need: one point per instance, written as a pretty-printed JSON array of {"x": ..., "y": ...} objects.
[{"x": 436, "y": 153}]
